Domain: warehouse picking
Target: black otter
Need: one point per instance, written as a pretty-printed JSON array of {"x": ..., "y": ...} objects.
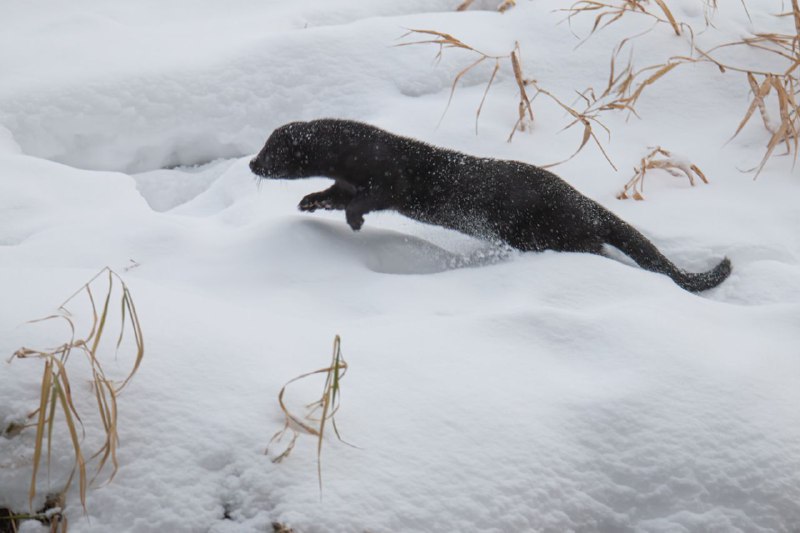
[{"x": 525, "y": 206}]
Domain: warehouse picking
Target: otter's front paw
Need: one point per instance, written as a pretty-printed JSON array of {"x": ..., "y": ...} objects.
[
  {"x": 311, "y": 203},
  {"x": 354, "y": 220},
  {"x": 320, "y": 200}
]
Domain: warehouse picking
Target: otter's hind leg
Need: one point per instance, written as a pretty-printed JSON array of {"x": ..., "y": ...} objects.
[{"x": 334, "y": 197}]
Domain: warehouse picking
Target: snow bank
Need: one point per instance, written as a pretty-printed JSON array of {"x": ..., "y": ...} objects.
[{"x": 187, "y": 90}]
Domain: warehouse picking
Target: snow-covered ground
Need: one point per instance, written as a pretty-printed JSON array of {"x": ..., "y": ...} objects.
[{"x": 487, "y": 390}]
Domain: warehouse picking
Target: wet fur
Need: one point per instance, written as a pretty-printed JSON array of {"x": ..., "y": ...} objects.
[{"x": 522, "y": 205}]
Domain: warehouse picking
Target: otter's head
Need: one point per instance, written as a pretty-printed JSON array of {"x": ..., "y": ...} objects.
[{"x": 286, "y": 154}]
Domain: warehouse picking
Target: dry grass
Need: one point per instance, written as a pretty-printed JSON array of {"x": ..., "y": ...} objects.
[
  {"x": 786, "y": 131},
  {"x": 774, "y": 92},
  {"x": 607, "y": 13},
  {"x": 588, "y": 118},
  {"x": 318, "y": 413},
  {"x": 56, "y": 392},
  {"x": 659, "y": 159},
  {"x": 524, "y": 109},
  {"x": 502, "y": 7},
  {"x": 444, "y": 41},
  {"x": 782, "y": 121},
  {"x": 784, "y": 86}
]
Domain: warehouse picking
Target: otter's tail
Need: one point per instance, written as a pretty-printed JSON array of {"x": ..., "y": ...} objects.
[{"x": 636, "y": 246}]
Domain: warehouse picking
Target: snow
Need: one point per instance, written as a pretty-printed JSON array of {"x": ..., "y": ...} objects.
[{"x": 488, "y": 390}]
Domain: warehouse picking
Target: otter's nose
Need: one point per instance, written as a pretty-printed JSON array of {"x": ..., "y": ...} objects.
[{"x": 253, "y": 164}]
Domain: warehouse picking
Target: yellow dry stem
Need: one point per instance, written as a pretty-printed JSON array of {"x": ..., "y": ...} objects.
[
  {"x": 524, "y": 107},
  {"x": 667, "y": 162},
  {"x": 670, "y": 18},
  {"x": 328, "y": 405},
  {"x": 626, "y": 86},
  {"x": 504, "y": 6},
  {"x": 56, "y": 393}
]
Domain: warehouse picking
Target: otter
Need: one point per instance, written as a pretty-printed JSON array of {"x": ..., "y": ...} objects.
[{"x": 524, "y": 206}]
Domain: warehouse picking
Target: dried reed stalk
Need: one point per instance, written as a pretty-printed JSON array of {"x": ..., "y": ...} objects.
[
  {"x": 327, "y": 407},
  {"x": 610, "y": 12},
  {"x": 525, "y": 114},
  {"x": 445, "y": 40},
  {"x": 774, "y": 92},
  {"x": 776, "y": 88},
  {"x": 504, "y": 6},
  {"x": 56, "y": 391},
  {"x": 666, "y": 162}
]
